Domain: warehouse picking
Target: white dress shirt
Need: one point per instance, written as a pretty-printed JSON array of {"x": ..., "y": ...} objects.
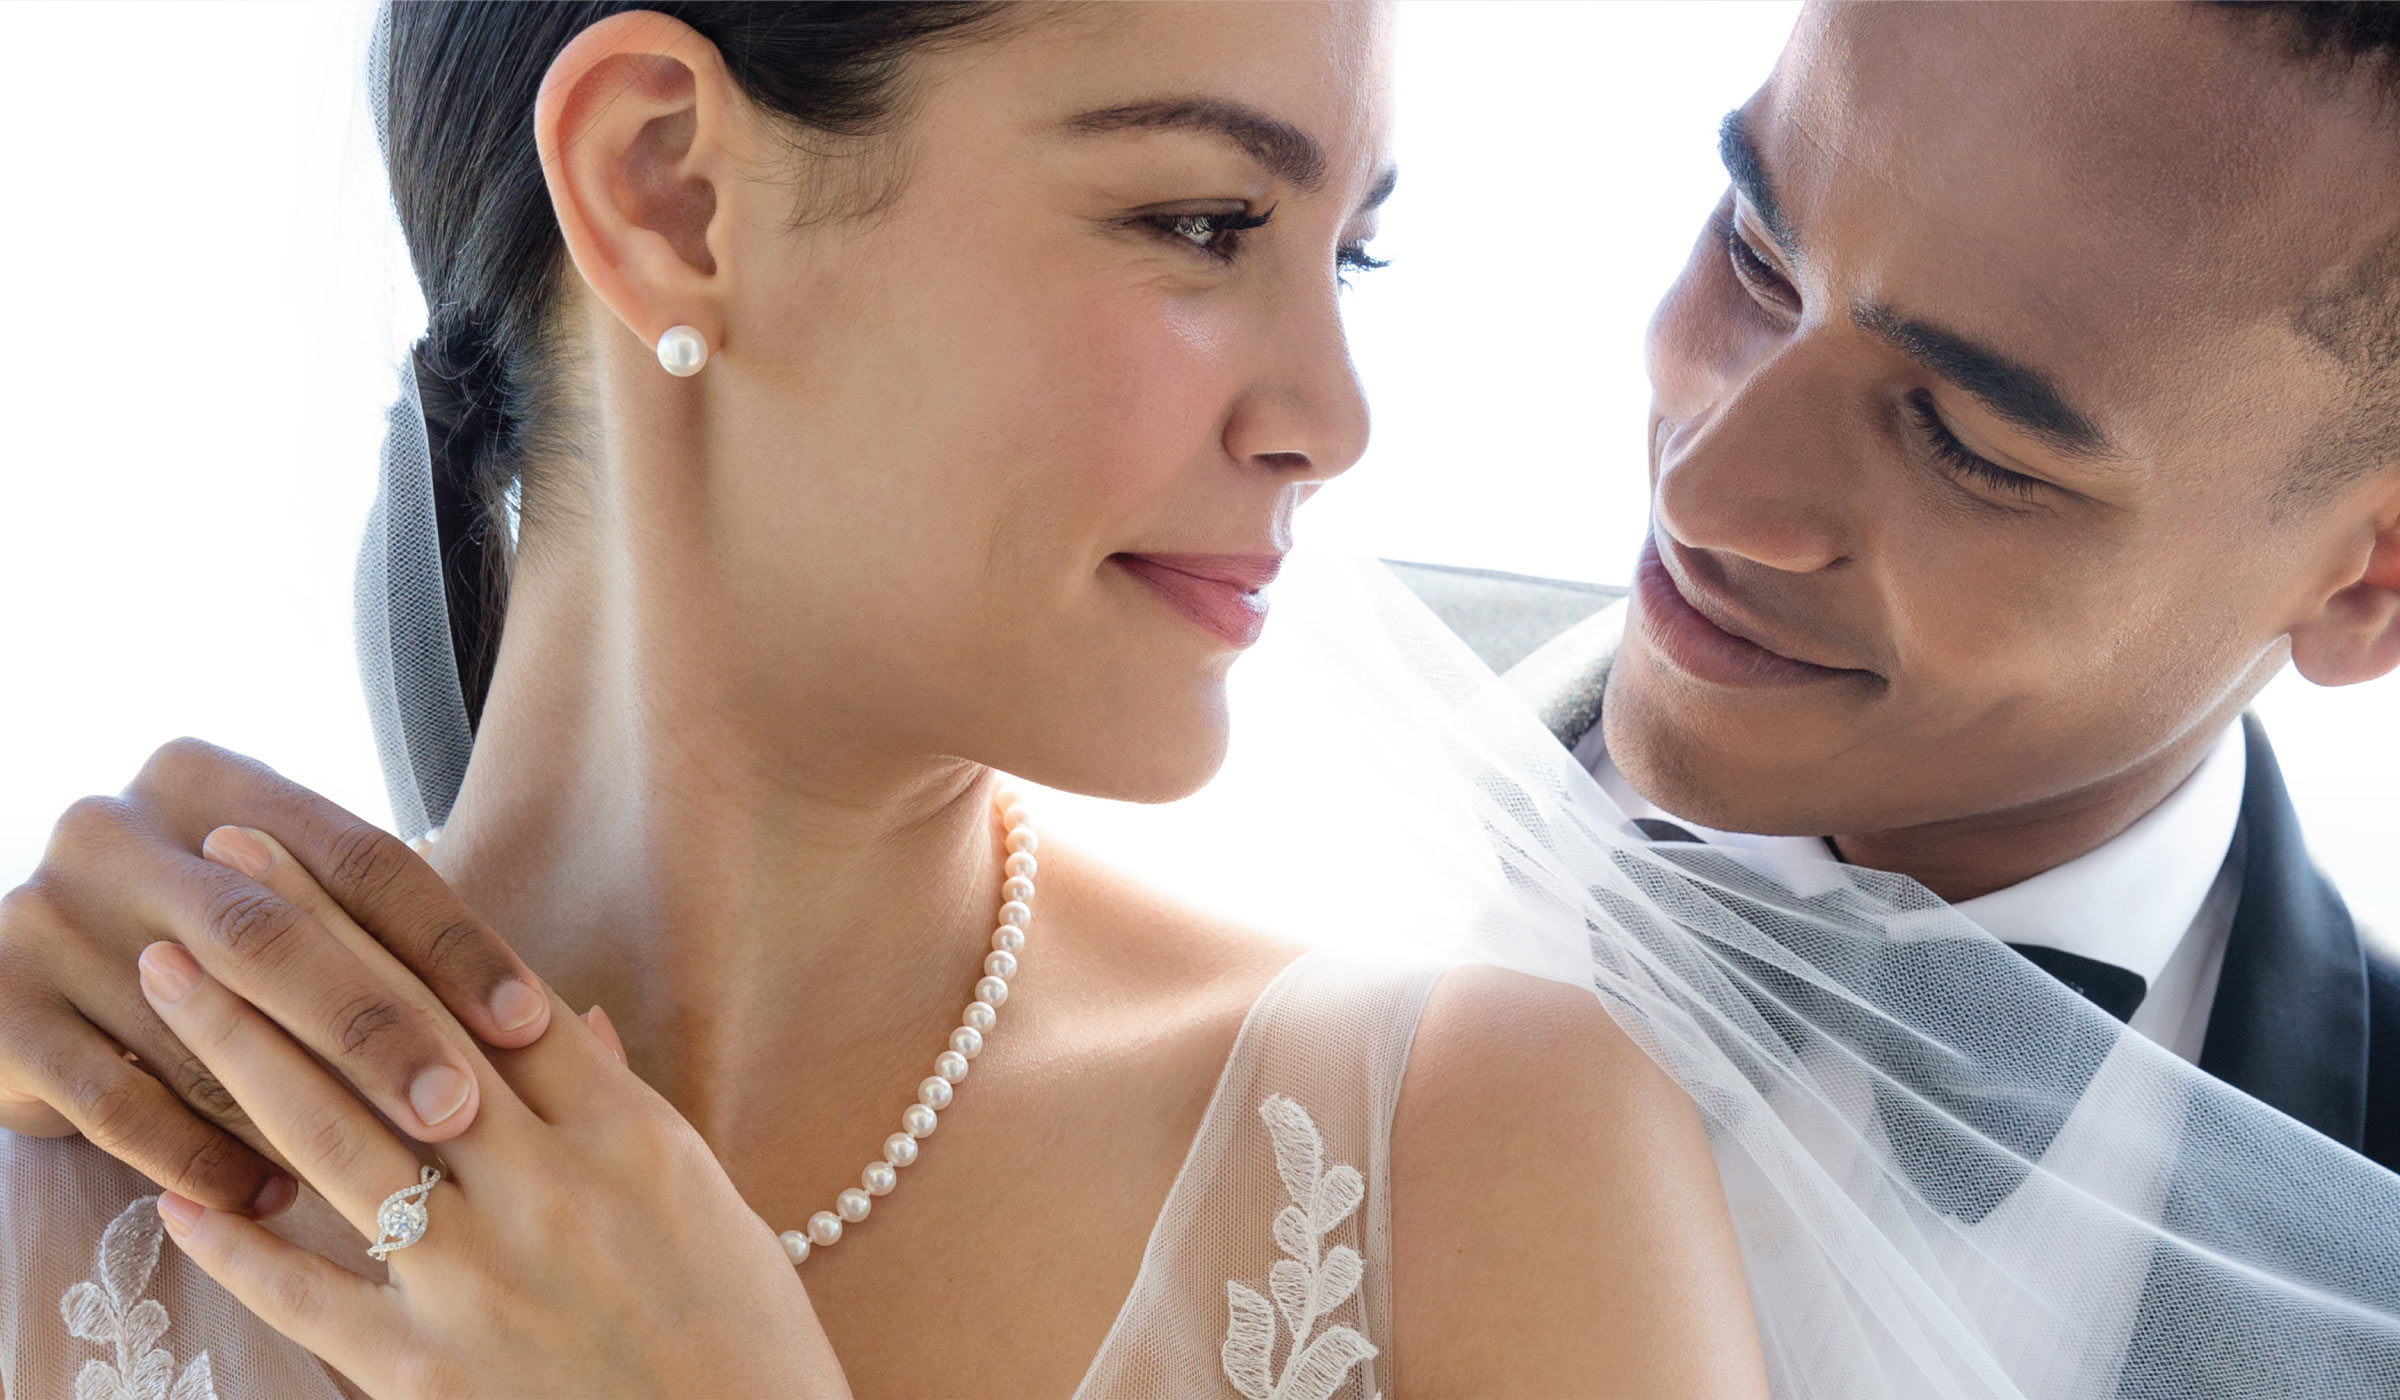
[{"x": 2157, "y": 900}]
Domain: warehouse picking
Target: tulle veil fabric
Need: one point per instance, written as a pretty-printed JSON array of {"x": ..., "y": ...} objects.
[{"x": 1950, "y": 1176}]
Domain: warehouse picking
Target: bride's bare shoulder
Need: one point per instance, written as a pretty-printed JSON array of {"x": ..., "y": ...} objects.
[{"x": 1557, "y": 1223}]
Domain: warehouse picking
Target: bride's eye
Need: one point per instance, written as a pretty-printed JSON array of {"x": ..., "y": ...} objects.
[{"x": 1217, "y": 233}]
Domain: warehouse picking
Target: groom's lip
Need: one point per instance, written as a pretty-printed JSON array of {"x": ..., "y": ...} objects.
[
  {"x": 1224, "y": 593},
  {"x": 1702, "y": 636}
]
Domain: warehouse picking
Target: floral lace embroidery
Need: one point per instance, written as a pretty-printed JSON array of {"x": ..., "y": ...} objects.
[
  {"x": 1308, "y": 1284},
  {"x": 111, "y": 1311}
]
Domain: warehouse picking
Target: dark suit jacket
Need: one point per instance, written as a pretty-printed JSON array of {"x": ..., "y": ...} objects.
[{"x": 2306, "y": 1016}]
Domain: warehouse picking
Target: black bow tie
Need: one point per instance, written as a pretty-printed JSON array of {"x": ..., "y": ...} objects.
[
  {"x": 2113, "y": 989},
  {"x": 1961, "y": 1130}
]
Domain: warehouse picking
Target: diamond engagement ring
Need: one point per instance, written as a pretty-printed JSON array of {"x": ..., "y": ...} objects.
[{"x": 401, "y": 1217}]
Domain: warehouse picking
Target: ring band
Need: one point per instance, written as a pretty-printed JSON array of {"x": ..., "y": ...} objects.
[{"x": 401, "y": 1217}]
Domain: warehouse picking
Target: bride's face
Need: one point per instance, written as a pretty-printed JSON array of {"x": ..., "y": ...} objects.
[{"x": 996, "y": 470}]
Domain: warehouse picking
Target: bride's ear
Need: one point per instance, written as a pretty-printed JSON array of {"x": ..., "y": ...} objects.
[
  {"x": 636, "y": 122},
  {"x": 2356, "y": 635}
]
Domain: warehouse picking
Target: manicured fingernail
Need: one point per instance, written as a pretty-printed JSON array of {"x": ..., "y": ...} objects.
[
  {"x": 272, "y": 1198},
  {"x": 438, "y": 1093},
  {"x": 235, "y": 847},
  {"x": 606, "y": 1029},
  {"x": 515, "y": 1005},
  {"x": 179, "y": 1214},
  {"x": 168, "y": 972}
]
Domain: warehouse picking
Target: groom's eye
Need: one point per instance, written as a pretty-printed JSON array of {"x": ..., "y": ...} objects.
[
  {"x": 1754, "y": 270},
  {"x": 1943, "y": 445}
]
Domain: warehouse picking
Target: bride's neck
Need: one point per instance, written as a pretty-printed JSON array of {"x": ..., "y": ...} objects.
[{"x": 742, "y": 900}]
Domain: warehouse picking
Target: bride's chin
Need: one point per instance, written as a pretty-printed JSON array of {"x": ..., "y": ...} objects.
[{"x": 1153, "y": 764}]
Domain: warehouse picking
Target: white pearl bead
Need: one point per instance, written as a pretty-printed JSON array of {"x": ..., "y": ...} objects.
[
  {"x": 1022, "y": 864},
  {"x": 852, "y": 1205},
  {"x": 1014, "y": 814},
  {"x": 934, "y": 1092},
  {"x": 880, "y": 1177},
  {"x": 1009, "y": 937},
  {"x": 1023, "y": 841},
  {"x": 1000, "y": 963},
  {"x": 966, "y": 1042},
  {"x": 1005, "y": 796},
  {"x": 900, "y": 1149},
  {"x": 1018, "y": 888},
  {"x": 950, "y": 1066},
  {"x": 919, "y": 1120},
  {"x": 825, "y": 1228},
  {"x": 1017, "y": 912},
  {"x": 991, "y": 989},
  {"x": 682, "y": 351},
  {"x": 980, "y": 1016},
  {"x": 795, "y": 1246}
]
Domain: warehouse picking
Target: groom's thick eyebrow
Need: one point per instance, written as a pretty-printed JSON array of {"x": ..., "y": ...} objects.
[
  {"x": 2015, "y": 391},
  {"x": 1749, "y": 175},
  {"x": 1287, "y": 152}
]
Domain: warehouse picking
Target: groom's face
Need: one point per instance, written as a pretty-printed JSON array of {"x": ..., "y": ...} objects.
[{"x": 2011, "y": 422}]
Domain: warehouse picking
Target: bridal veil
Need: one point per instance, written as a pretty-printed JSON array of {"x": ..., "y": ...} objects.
[{"x": 1950, "y": 1176}]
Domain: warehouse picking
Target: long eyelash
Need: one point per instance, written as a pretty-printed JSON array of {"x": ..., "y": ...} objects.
[
  {"x": 1350, "y": 257},
  {"x": 1959, "y": 456},
  {"x": 1354, "y": 257},
  {"x": 1212, "y": 227},
  {"x": 1748, "y": 265}
]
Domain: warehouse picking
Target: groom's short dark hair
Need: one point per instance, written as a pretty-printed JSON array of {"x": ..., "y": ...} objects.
[{"x": 2353, "y": 315}]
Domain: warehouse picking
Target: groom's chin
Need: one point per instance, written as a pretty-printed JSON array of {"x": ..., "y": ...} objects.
[{"x": 1731, "y": 768}]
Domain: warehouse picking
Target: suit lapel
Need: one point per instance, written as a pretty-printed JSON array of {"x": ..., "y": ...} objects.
[
  {"x": 2289, "y": 1024},
  {"x": 1565, "y": 678}
]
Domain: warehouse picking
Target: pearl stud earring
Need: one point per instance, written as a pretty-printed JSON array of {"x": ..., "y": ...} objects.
[{"x": 681, "y": 351}]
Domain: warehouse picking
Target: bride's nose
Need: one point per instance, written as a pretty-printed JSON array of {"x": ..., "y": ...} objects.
[{"x": 1304, "y": 414}]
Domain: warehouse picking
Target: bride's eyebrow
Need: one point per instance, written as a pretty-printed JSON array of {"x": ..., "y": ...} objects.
[{"x": 1287, "y": 152}]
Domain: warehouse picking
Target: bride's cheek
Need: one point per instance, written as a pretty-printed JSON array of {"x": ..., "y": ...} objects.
[{"x": 1158, "y": 382}]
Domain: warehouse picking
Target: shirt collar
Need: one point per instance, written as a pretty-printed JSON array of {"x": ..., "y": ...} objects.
[{"x": 2128, "y": 903}]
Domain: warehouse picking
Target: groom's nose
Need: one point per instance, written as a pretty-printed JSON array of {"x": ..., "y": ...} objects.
[{"x": 1765, "y": 469}]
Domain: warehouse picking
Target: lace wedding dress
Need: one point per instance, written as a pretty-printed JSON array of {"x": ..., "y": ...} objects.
[{"x": 1266, "y": 1277}]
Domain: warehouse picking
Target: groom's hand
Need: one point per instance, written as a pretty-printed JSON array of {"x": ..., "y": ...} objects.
[{"x": 126, "y": 871}]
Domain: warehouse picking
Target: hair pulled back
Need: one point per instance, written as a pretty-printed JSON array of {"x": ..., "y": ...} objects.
[{"x": 457, "y": 80}]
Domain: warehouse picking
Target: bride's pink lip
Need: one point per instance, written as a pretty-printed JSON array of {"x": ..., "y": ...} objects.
[{"x": 1221, "y": 592}]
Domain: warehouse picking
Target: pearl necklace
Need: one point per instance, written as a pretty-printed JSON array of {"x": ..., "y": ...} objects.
[{"x": 934, "y": 1093}]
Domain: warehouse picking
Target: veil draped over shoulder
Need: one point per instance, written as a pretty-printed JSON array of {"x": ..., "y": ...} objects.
[{"x": 1950, "y": 1175}]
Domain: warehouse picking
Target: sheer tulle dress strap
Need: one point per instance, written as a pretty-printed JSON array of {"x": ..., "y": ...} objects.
[
  {"x": 1268, "y": 1272},
  {"x": 95, "y": 1302}
]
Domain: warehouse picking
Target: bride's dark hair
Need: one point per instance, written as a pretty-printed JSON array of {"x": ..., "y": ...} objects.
[{"x": 458, "y": 80}]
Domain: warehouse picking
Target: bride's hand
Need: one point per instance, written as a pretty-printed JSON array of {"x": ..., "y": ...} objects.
[{"x": 584, "y": 1242}]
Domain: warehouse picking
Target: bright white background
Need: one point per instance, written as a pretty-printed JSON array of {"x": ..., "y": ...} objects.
[{"x": 186, "y": 449}]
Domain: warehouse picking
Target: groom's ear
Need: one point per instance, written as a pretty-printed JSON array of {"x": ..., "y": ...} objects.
[
  {"x": 640, "y": 130},
  {"x": 2355, "y": 635}
]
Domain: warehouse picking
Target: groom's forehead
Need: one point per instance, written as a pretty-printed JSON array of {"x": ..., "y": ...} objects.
[{"x": 2076, "y": 180}]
